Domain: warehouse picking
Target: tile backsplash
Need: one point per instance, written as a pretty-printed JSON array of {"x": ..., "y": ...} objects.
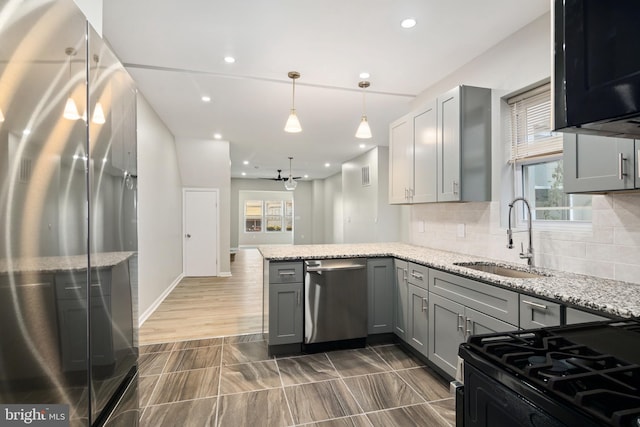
[{"x": 610, "y": 249}]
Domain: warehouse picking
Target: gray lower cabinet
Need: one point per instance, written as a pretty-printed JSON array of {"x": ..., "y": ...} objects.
[
  {"x": 380, "y": 294},
  {"x": 285, "y": 313},
  {"x": 460, "y": 307},
  {"x": 450, "y": 325},
  {"x": 574, "y": 316},
  {"x": 400, "y": 295},
  {"x": 418, "y": 319},
  {"x": 596, "y": 163},
  {"x": 538, "y": 312},
  {"x": 286, "y": 306}
]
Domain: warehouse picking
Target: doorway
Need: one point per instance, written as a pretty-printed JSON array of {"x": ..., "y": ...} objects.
[{"x": 201, "y": 243}]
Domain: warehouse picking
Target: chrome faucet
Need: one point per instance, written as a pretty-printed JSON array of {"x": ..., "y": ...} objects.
[{"x": 529, "y": 254}]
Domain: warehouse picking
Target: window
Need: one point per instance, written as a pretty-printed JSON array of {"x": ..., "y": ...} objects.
[
  {"x": 536, "y": 153},
  {"x": 275, "y": 215},
  {"x": 253, "y": 216}
]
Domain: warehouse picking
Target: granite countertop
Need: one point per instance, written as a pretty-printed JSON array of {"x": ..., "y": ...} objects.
[
  {"x": 55, "y": 264},
  {"x": 604, "y": 295}
]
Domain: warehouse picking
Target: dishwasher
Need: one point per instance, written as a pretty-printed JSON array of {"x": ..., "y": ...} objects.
[{"x": 335, "y": 300}]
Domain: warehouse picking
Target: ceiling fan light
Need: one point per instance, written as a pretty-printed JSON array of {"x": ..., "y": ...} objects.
[
  {"x": 290, "y": 184},
  {"x": 364, "y": 131},
  {"x": 71, "y": 110},
  {"x": 98, "y": 115},
  {"x": 293, "y": 124}
]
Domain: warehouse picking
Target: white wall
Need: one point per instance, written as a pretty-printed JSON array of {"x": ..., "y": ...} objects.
[
  {"x": 159, "y": 209},
  {"x": 332, "y": 208},
  {"x": 610, "y": 250},
  {"x": 205, "y": 163},
  {"x": 367, "y": 216}
]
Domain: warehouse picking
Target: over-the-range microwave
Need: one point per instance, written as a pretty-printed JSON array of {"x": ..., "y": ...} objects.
[{"x": 596, "y": 67}]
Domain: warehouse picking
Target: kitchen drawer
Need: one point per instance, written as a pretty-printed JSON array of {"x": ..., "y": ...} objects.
[
  {"x": 73, "y": 284},
  {"x": 538, "y": 313},
  {"x": 488, "y": 299},
  {"x": 578, "y": 316},
  {"x": 285, "y": 272},
  {"x": 418, "y": 275}
]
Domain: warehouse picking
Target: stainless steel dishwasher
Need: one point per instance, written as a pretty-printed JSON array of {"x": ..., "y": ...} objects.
[{"x": 335, "y": 300}]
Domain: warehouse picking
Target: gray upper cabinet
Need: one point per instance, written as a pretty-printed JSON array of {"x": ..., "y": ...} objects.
[
  {"x": 442, "y": 152},
  {"x": 380, "y": 294},
  {"x": 401, "y": 160},
  {"x": 596, "y": 163},
  {"x": 400, "y": 296},
  {"x": 464, "y": 145}
]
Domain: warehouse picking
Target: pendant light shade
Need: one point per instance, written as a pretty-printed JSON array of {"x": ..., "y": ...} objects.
[
  {"x": 98, "y": 115},
  {"x": 293, "y": 124},
  {"x": 290, "y": 184},
  {"x": 364, "y": 131},
  {"x": 70, "y": 108},
  {"x": 1, "y": 117}
]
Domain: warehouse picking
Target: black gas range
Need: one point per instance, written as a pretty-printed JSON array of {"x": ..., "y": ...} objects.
[{"x": 580, "y": 375}]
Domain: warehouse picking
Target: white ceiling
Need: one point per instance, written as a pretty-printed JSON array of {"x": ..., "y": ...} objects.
[{"x": 174, "y": 50}]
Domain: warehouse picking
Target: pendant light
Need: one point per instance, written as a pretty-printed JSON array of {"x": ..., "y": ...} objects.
[
  {"x": 1, "y": 117},
  {"x": 364, "y": 131},
  {"x": 293, "y": 124},
  {"x": 98, "y": 113},
  {"x": 290, "y": 184},
  {"x": 70, "y": 108}
]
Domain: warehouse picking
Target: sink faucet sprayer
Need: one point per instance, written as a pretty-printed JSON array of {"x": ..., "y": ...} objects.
[{"x": 529, "y": 254}]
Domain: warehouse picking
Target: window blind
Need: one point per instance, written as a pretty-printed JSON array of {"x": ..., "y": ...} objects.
[{"x": 531, "y": 134}]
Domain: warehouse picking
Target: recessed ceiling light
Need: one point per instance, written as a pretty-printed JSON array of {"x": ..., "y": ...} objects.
[
  {"x": 408, "y": 23},
  {"x": 244, "y": 174},
  {"x": 217, "y": 136},
  {"x": 362, "y": 145},
  {"x": 26, "y": 131},
  {"x": 306, "y": 176},
  {"x": 246, "y": 162},
  {"x": 365, "y": 75},
  {"x": 206, "y": 98},
  {"x": 326, "y": 165},
  {"x": 229, "y": 59}
]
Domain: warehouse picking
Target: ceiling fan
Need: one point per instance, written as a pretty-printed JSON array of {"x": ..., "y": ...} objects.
[{"x": 281, "y": 178}]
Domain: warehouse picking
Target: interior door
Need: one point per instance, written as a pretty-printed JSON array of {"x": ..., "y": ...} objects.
[{"x": 200, "y": 232}]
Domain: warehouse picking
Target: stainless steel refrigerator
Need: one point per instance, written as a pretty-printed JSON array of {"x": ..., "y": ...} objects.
[{"x": 68, "y": 221}]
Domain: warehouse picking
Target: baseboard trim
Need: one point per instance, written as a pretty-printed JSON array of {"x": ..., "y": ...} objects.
[
  {"x": 148, "y": 312},
  {"x": 224, "y": 274}
]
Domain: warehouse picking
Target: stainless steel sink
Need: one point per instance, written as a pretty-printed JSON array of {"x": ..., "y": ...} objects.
[{"x": 500, "y": 270}]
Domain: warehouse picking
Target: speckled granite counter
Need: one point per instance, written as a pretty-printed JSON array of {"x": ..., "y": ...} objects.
[
  {"x": 62, "y": 263},
  {"x": 608, "y": 296}
]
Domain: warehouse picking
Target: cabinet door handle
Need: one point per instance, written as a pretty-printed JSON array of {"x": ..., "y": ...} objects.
[
  {"x": 534, "y": 304},
  {"x": 621, "y": 160},
  {"x": 298, "y": 297},
  {"x": 454, "y": 187},
  {"x": 460, "y": 326},
  {"x": 638, "y": 162},
  {"x": 404, "y": 274},
  {"x": 468, "y": 329},
  {"x": 424, "y": 306}
]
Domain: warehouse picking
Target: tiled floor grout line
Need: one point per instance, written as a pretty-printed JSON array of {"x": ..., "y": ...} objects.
[
  {"x": 218, "y": 398},
  {"x": 286, "y": 398},
  {"x": 347, "y": 387}
]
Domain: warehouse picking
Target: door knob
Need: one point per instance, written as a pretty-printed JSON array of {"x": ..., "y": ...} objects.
[{"x": 188, "y": 236}]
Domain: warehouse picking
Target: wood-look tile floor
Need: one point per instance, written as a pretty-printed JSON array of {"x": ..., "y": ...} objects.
[
  {"x": 232, "y": 381},
  {"x": 203, "y": 307}
]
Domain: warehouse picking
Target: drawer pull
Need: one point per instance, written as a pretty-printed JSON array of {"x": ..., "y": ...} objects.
[
  {"x": 72, "y": 288},
  {"x": 287, "y": 272},
  {"x": 417, "y": 276},
  {"x": 534, "y": 304}
]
